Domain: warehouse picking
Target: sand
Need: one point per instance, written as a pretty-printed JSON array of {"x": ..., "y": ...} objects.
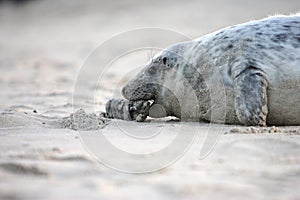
[{"x": 49, "y": 147}]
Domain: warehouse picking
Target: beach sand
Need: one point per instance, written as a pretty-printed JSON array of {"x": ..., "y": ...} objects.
[{"x": 43, "y": 46}]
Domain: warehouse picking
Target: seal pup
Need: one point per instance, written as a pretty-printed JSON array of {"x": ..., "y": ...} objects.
[{"x": 244, "y": 74}]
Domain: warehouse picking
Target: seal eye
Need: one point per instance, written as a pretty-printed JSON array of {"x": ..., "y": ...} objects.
[
  {"x": 164, "y": 60},
  {"x": 152, "y": 70}
]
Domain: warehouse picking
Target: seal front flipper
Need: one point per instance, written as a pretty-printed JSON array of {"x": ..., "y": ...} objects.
[
  {"x": 127, "y": 110},
  {"x": 250, "y": 88}
]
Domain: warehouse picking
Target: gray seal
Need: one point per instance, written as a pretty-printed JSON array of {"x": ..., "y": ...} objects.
[{"x": 245, "y": 74}]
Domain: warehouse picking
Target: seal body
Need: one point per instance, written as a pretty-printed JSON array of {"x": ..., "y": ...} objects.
[{"x": 245, "y": 74}]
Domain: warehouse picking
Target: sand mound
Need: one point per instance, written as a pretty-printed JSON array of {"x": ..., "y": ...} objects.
[{"x": 82, "y": 121}]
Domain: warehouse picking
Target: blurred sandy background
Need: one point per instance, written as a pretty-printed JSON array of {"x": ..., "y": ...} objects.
[{"x": 43, "y": 44}]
